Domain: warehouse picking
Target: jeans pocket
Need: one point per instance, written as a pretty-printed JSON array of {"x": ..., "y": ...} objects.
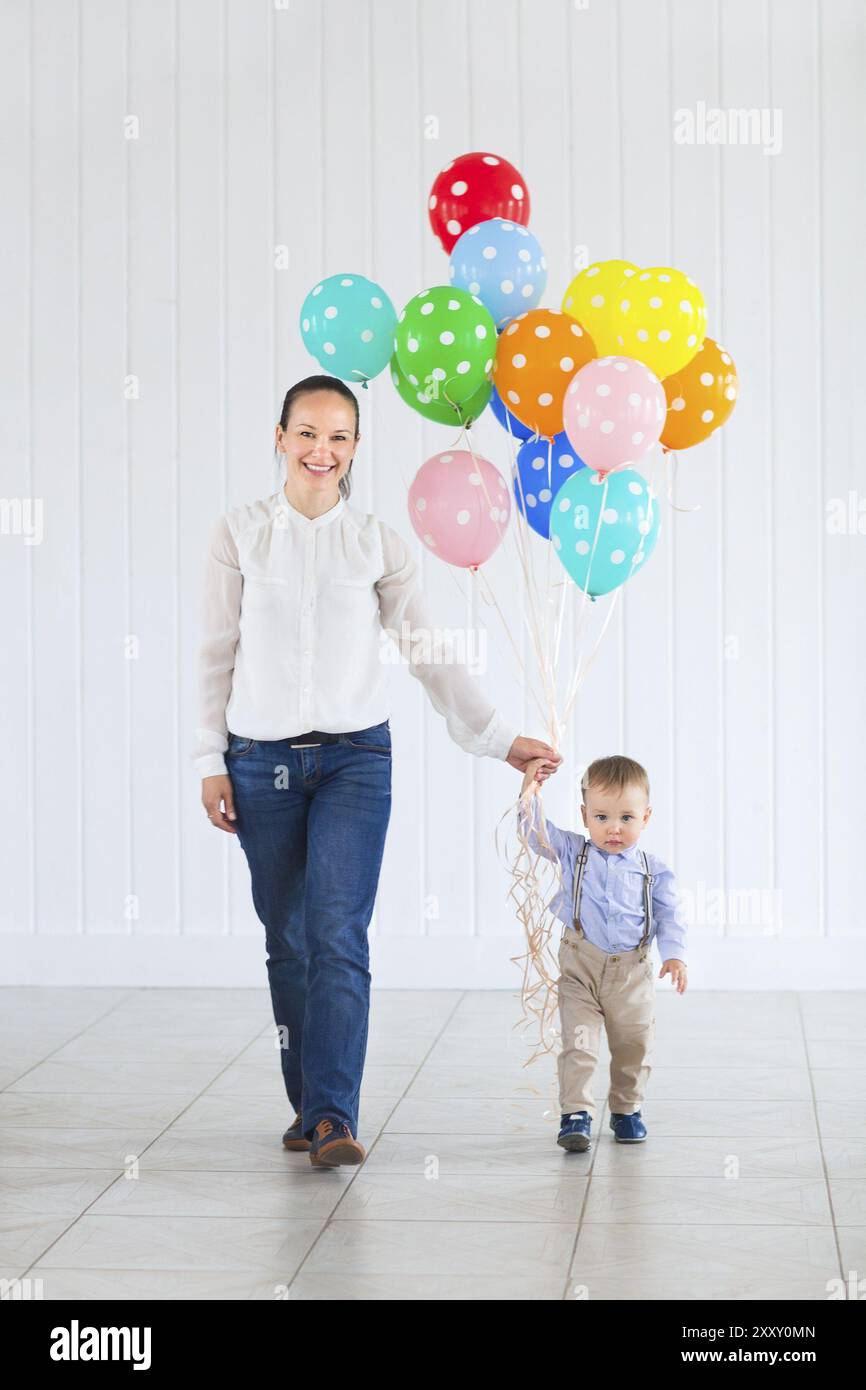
[
  {"x": 374, "y": 740},
  {"x": 239, "y": 746}
]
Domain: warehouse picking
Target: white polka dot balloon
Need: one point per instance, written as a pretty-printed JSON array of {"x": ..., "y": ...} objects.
[
  {"x": 473, "y": 188},
  {"x": 503, "y": 264},
  {"x": 613, "y": 412},
  {"x": 460, "y": 506},
  {"x": 445, "y": 340},
  {"x": 656, "y": 315},
  {"x": 604, "y": 528},
  {"x": 347, "y": 324},
  {"x": 537, "y": 356},
  {"x": 700, "y": 396},
  {"x": 660, "y": 318}
]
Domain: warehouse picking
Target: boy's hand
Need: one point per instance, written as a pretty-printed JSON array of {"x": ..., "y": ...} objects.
[
  {"x": 524, "y": 751},
  {"x": 534, "y": 775},
  {"x": 678, "y": 973}
]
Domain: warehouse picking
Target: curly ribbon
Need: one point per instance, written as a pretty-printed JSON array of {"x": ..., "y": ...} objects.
[
  {"x": 672, "y": 480},
  {"x": 534, "y": 878}
]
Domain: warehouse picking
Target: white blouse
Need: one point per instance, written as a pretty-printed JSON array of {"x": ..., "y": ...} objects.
[{"x": 293, "y": 614}]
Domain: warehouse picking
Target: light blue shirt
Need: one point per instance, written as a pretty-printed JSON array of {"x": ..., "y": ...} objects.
[{"x": 612, "y": 891}]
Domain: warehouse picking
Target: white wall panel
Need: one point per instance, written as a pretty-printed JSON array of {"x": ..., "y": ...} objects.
[{"x": 177, "y": 176}]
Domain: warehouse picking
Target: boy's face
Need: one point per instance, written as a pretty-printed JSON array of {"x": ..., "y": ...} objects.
[{"x": 615, "y": 819}]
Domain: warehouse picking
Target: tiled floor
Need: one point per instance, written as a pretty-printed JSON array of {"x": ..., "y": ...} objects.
[{"x": 140, "y": 1155}]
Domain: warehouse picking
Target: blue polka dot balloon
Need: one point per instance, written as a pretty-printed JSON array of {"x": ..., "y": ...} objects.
[
  {"x": 507, "y": 420},
  {"x": 503, "y": 264},
  {"x": 617, "y": 514},
  {"x": 347, "y": 323},
  {"x": 542, "y": 468}
]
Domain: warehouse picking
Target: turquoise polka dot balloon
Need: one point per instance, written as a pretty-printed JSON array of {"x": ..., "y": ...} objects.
[
  {"x": 604, "y": 527},
  {"x": 347, "y": 323}
]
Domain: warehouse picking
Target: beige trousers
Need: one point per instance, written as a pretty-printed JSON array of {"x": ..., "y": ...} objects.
[{"x": 618, "y": 991}]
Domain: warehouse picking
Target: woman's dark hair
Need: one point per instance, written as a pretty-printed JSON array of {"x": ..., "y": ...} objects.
[{"x": 322, "y": 383}]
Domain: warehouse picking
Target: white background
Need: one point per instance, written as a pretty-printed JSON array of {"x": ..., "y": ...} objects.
[{"x": 733, "y": 668}]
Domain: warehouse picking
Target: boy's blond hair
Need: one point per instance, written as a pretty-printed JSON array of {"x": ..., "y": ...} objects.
[{"x": 614, "y": 775}]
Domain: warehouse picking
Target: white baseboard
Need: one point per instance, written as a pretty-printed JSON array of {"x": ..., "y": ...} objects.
[{"x": 442, "y": 962}]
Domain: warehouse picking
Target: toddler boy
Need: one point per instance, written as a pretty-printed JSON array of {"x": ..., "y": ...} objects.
[{"x": 615, "y": 899}]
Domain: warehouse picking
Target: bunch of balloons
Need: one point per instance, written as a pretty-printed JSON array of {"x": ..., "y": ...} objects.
[{"x": 587, "y": 389}]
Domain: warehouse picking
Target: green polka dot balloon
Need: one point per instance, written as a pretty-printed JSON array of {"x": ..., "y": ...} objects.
[
  {"x": 347, "y": 323},
  {"x": 445, "y": 343},
  {"x": 433, "y": 407}
]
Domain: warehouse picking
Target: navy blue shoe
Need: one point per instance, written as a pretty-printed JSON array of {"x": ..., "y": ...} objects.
[
  {"x": 574, "y": 1132},
  {"x": 294, "y": 1135},
  {"x": 628, "y": 1129},
  {"x": 333, "y": 1143}
]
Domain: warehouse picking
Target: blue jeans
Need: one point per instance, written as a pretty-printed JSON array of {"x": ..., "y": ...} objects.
[{"x": 312, "y": 824}]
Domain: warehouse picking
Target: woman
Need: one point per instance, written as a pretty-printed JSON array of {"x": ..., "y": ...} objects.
[{"x": 294, "y": 745}]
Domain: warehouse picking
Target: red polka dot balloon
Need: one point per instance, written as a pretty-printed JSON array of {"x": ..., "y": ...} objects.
[{"x": 473, "y": 188}]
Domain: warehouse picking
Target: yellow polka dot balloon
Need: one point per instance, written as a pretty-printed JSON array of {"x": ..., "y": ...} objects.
[
  {"x": 660, "y": 319},
  {"x": 591, "y": 298}
]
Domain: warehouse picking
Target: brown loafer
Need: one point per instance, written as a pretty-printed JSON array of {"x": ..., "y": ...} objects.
[
  {"x": 294, "y": 1136},
  {"x": 334, "y": 1144}
]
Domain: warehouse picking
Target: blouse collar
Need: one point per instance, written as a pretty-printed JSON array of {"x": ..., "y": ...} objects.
[{"x": 306, "y": 523}]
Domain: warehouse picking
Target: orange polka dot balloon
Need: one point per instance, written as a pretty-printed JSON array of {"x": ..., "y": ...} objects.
[
  {"x": 700, "y": 397},
  {"x": 537, "y": 355}
]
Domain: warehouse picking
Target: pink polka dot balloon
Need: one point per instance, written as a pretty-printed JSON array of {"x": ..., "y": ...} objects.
[
  {"x": 459, "y": 505},
  {"x": 614, "y": 412}
]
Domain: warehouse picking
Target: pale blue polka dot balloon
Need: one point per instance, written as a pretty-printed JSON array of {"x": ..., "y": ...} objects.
[
  {"x": 347, "y": 323},
  {"x": 624, "y": 511},
  {"x": 543, "y": 465},
  {"x": 503, "y": 264}
]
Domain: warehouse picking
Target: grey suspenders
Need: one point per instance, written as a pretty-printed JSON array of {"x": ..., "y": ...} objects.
[{"x": 580, "y": 865}]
